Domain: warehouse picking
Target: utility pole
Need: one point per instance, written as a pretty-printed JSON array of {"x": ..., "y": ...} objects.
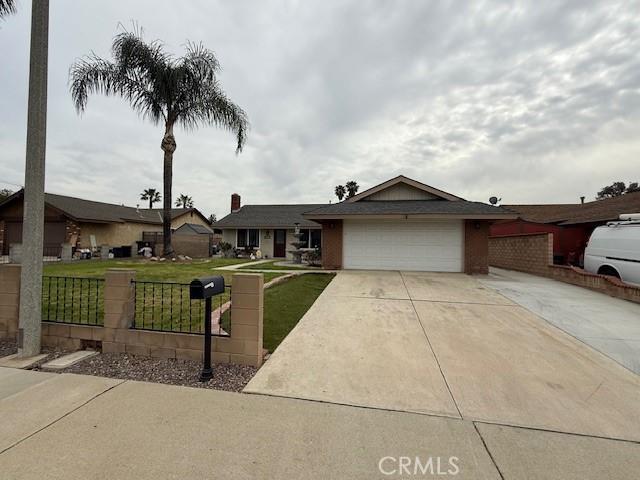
[{"x": 29, "y": 333}]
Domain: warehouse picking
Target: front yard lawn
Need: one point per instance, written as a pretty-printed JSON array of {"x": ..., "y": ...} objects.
[
  {"x": 168, "y": 271},
  {"x": 286, "y": 303},
  {"x": 272, "y": 266}
]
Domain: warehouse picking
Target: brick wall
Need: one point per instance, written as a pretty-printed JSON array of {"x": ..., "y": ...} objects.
[
  {"x": 531, "y": 253},
  {"x": 244, "y": 346},
  {"x": 332, "y": 244},
  {"x": 476, "y": 247}
]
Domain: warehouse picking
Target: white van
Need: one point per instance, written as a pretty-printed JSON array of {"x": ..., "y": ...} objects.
[{"x": 614, "y": 249}]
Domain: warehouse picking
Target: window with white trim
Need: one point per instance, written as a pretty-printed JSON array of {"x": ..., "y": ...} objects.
[
  {"x": 312, "y": 237},
  {"x": 248, "y": 237}
]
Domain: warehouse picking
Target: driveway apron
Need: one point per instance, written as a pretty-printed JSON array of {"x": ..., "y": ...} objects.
[{"x": 445, "y": 344}]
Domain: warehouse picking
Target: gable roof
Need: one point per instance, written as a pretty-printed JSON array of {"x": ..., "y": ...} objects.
[
  {"x": 99, "y": 212},
  {"x": 408, "y": 181},
  {"x": 269, "y": 216},
  {"x": 597, "y": 211},
  {"x": 463, "y": 209},
  {"x": 194, "y": 228}
]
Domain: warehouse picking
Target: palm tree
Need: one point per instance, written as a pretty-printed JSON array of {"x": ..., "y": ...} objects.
[
  {"x": 340, "y": 192},
  {"x": 352, "y": 188},
  {"x": 184, "y": 201},
  {"x": 164, "y": 89},
  {"x": 152, "y": 195},
  {"x": 7, "y": 7}
]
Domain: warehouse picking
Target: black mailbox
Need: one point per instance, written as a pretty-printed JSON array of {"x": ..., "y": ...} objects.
[{"x": 206, "y": 287}]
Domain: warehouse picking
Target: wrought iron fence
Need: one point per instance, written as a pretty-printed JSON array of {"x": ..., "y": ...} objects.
[
  {"x": 77, "y": 300},
  {"x": 167, "y": 307}
]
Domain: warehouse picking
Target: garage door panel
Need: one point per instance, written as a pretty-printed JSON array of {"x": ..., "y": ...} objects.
[{"x": 420, "y": 245}]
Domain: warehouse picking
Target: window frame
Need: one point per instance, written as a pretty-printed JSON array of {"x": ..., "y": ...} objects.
[
  {"x": 309, "y": 244},
  {"x": 246, "y": 237}
]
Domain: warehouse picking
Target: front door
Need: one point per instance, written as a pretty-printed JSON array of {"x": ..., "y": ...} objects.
[{"x": 279, "y": 243}]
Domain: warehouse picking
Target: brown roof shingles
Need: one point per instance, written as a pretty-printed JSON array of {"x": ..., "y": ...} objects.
[{"x": 597, "y": 211}]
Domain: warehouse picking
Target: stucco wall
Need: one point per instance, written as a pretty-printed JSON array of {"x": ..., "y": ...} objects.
[
  {"x": 332, "y": 244},
  {"x": 229, "y": 236},
  {"x": 266, "y": 242},
  {"x": 114, "y": 234},
  {"x": 476, "y": 247},
  {"x": 189, "y": 217}
]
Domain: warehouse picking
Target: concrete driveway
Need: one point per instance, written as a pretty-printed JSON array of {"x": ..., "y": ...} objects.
[
  {"x": 446, "y": 344},
  {"x": 608, "y": 324}
]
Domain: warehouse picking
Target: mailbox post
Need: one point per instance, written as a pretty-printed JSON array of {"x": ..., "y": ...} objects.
[{"x": 204, "y": 289}]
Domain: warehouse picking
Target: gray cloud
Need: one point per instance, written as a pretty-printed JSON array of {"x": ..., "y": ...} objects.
[{"x": 530, "y": 101}]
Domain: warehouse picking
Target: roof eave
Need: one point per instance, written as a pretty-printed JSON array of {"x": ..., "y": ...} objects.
[{"x": 459, "y": 216}]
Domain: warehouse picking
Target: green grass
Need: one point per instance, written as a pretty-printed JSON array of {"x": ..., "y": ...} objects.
[
  {"x": 159, "y": 310},
  {"x": 272, "y": 266},
  {"x": 145, "y": 270},
  {"x": 73, "y": 300},
  {"x": 286, "y": 303}
]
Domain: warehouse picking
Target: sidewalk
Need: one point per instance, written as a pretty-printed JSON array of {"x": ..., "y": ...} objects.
[{"x": 88, "y": 427}]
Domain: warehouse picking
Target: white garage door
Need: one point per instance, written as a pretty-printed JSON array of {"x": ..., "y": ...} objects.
[{"x": 421, "y": 245}]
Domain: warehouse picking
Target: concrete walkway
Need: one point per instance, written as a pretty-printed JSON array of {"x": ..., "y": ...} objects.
[
  {"x": 447, "y": 345},
  {"x": 610, "y": 325},
  {"x": 76, "y": 427}
]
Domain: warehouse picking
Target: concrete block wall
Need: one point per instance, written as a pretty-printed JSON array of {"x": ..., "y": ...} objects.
[
  {"x": 531, "y": 253},
  {"x": 9, "y": 300},
  {"x": 244, "y": 346}
]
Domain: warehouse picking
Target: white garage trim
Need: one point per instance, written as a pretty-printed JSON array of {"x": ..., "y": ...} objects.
[{"x": 412, "y": 244}]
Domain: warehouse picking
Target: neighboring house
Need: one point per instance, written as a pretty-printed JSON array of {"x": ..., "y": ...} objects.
[
  {"x": 75, "y": 221},
  {"x": 571, "y": 224},
  {"x": 400, "y": 224}
]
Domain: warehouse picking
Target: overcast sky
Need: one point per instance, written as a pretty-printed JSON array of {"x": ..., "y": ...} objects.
[{"x": 536, "y": 102}]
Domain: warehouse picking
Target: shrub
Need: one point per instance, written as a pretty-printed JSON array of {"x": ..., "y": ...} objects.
[{"x": 227, "y": 249}]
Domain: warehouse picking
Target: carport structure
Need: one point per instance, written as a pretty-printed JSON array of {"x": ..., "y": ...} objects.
[{"x": 444, "y": 344}]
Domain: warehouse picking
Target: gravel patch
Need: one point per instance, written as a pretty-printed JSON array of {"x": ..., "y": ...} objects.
[
  {"x": 7, "y": 347},
  {"x": 186, "y": 373}
]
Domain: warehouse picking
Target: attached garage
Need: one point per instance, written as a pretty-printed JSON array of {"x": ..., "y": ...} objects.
[
  {"x": 411, "y": 245},
  {"x": 403, "y": 224},
  {"x": 54, "y": 237}
]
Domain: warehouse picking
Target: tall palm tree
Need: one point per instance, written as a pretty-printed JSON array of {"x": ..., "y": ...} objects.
[
  {"x": 340, "y": 192},
  {"x": 164, "y": 89},
  {"x": 152, "y": 195},
  {"x": 184, "y": 201},
  {"x": 7, "y": 7},
  {"x": 352, "y": 188}
]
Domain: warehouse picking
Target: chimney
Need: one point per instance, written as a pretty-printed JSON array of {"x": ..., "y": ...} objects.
[
  {"x": 235, "y": 202},
  {"x": 582, "y": 200}
]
